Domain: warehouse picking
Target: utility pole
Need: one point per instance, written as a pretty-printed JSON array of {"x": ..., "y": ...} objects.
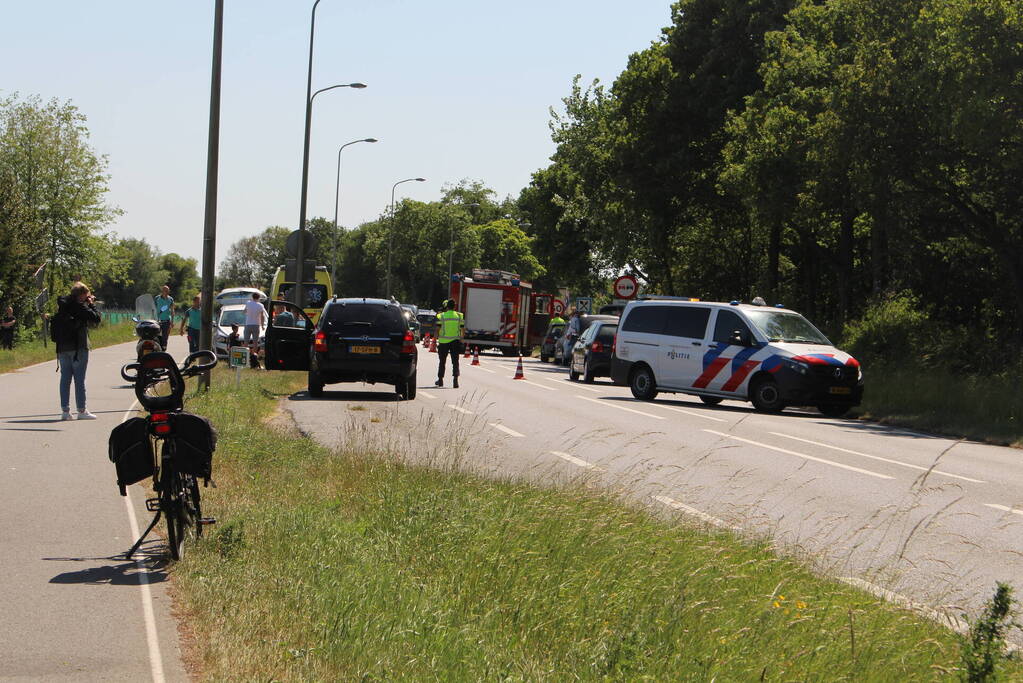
[{"x": 209, "y": 244}]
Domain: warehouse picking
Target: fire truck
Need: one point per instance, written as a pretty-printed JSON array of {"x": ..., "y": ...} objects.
[{"x": 501, "y": 311}]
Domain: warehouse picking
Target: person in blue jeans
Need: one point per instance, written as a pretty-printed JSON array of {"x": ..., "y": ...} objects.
[
  {"x": 76, "y": 313},
  {"x": 164, "y": 314}
]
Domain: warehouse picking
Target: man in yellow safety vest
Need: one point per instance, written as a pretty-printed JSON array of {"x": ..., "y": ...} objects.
[{"x": 450, "y": 329}]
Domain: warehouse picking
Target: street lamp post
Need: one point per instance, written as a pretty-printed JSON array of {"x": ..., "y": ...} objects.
[
  {"x": 298, "y": 291},
  {"x": 390, "y": 231},
  {"x": 451, "y": 253},
  {"x": 337, "y": 198}
]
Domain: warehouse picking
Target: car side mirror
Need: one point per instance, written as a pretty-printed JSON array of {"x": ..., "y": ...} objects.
[{"x": 739, "y": 339}]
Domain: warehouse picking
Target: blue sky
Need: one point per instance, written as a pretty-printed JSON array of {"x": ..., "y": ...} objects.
[{"x": 457, "y": 89}]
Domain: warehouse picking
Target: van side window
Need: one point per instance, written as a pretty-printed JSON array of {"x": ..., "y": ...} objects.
[
  {"x": 645, "y": 319},
  {"x": 687, "y": 321},
  {"x": 727, "y": 323}
]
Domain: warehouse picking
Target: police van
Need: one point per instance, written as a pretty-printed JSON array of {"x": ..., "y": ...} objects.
[{"x": 771, "y": 356}]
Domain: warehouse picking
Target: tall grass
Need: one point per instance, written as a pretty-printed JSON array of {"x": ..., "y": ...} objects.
[
  {"x": 31, "y": 352},
  {"x": 353, "y": 565},
  {"x": 987, "y": 408}
]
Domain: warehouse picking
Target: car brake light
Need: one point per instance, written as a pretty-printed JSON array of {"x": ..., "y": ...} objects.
[
  {"x": 320, "y": 342},
  {"x": 408, "y": 343},
  {"x": 597, "y": 347}
]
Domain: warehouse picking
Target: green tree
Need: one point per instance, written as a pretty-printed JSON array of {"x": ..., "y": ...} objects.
[
  {"x": 505, "y": 246},
  {"x": 182, "y": 275},
  {"x": 252, "y": 261}
]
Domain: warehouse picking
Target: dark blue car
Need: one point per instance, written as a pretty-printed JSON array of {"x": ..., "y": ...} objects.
[{"x": 591, "y": 355}]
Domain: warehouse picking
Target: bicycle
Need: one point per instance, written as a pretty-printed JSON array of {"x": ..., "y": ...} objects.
[{"x": 175, "y": 448}]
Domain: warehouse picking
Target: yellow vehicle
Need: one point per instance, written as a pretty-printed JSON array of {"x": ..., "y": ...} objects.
[{"x": 317, "y": 292}]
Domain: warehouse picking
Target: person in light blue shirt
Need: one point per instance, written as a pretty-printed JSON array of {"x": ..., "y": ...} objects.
[
  {"x": 193, "y": 320},
  {"x": 164, "y": 314}
]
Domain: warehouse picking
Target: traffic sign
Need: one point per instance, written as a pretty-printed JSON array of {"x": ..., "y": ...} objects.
[
  {"x": 584, "y": 304},
  {"x": 626, "y": 287},
  {"x": 558, "y": 306},
  {"x": 308, "y": 244},
  {"x": 239, "y": 357}
]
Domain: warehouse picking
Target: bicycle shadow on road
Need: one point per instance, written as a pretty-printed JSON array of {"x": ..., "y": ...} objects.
[{"x": 123, "y": 573}]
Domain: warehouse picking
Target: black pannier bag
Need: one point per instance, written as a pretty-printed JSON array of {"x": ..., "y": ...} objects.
[
  {"x": 131, "y": 451},
  {"x": 194, "y": 443}
]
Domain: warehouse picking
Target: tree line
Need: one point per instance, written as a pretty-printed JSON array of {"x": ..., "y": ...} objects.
[{"x": 832, "y": 156}]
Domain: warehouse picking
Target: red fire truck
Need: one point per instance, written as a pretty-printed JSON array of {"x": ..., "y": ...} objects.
[{"x": 501, "y": 311}]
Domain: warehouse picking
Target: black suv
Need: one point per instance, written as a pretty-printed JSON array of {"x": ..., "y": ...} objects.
[{"x": 355, "y": 340}]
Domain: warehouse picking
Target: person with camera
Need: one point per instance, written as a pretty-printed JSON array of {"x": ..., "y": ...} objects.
[{"x": 69, "y": 328}]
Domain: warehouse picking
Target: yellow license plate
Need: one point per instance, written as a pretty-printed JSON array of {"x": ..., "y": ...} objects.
[
  {"x": 364, "y": 349},
  {"x": 839, "y": 390}
]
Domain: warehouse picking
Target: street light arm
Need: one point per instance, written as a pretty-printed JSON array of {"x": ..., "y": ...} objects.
[
  {"x": 357, "y": 86},
  {"x": 337, "y": 203}
]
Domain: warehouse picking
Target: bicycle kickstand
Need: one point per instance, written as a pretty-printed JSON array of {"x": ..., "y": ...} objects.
[{"x": 156, "y": 518}]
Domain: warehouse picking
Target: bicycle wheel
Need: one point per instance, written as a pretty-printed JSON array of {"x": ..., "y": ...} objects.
[
  {"x": 171, "y": 502},
  {"x": 190, "y": 511}
]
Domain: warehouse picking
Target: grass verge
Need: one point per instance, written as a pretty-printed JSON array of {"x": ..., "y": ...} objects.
[
  {"x": 30, "y": 353},
  {"x": 352, "y": 565},
  {"x": 985, "y": 408}
]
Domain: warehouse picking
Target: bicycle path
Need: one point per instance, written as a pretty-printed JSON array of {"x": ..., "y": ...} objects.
[{"x": 72, "y": 609}]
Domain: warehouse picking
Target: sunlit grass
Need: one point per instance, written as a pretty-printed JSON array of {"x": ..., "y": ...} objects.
[{"x": 352, "y": 565}]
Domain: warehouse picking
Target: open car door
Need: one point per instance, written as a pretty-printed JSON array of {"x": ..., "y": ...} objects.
[{"x": 289, "y": 337}]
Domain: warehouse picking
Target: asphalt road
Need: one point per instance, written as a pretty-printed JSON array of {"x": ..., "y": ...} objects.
[
  {"x": 933, "y": 519},
  {"x": 72, "y": 610}
]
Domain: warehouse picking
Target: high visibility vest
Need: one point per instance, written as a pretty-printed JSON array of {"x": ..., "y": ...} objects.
[
  {"x": 450, "y": 325},
  {"x": 558, "y": 320}
]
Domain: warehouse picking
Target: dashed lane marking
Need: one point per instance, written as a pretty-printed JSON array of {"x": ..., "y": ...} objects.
[
  {"x": 693, "y": 512},
  {"x": 800, "y": 455},
  {"x": 485, "y": 370},
  {"x": 579, "y": 462},
  {"x": 563, "y": 383},
  {"x": 1004, "y": 508},
  {"x": 618, "y": 407},
  {"x": 689, "y": 412},
  {"x": 538, "y": 386},
  {"x": 460, "y": 409},
  {"x": 878, "y": 457},
  {"x": 506, "y": 430},
  {"x": 427, "y": 394}
]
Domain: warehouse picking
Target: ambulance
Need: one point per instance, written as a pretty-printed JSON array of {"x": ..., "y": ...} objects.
[{"x": 770, "y": 356}]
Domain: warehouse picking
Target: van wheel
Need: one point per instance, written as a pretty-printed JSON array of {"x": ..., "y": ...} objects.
[
  {"x": 642, "y": 384},
  {"x": 315, "y": 384},
  {"x": 766, "y": 396},
  {"x": 544, "y": 358},
  {"x": 832, "y": 410},
  {"x": 573, "y": 375},
  {"x": 711, "y": 400}
]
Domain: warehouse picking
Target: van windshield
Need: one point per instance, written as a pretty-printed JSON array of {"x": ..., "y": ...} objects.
[{"x": 786, "y": 327}]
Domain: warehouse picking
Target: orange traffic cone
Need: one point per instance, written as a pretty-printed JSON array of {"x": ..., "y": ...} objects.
[
  {"x": 475, "y": 355},
  {"x": 433, "y": 345},
  {"x": 466, "y": 351},
  {"x": 518, "y": 370},
  {"x": 426, "y": 340}
]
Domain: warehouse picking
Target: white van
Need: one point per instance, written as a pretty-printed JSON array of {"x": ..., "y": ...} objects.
[
  {"x": 238, "y": 295},
  {"x": 771, "y": 356}
]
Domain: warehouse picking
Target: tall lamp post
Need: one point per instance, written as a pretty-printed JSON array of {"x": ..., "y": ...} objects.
[
  {"x": 451, "y": 253},
  {"x": 390, "y": 231},
  {"x": 337, "y": 197},
  {"x": 299, "y": 292}
]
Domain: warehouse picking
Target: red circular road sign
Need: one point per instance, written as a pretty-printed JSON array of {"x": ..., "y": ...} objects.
[
  {"x": 626, "y": 287},
  {"x": 558, "y": 306}
]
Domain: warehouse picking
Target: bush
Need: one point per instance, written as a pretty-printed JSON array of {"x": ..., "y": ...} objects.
[{"x": 892, "y": 327}]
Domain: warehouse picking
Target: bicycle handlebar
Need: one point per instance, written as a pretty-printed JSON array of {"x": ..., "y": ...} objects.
[{"x": 187, "y": 368}]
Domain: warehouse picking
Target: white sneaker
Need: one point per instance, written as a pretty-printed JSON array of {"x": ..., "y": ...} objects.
[
  {"x": 86, "y": 415},
  {"x": 66, "y": 416}
]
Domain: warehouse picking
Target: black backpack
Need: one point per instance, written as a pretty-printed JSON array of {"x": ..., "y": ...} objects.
[{"x": 62, "y": 326}]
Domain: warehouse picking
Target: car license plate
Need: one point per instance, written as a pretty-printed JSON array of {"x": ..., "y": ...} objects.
[
  {"x": 839, "y": 390},
  {"x": 364, "y": 349}
]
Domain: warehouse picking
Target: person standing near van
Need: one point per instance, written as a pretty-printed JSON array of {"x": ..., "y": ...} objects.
[
  {"x": 164, "y": 314},
  {"x": 571, "y": 334},
  {"x": 450, "y": 329},
  {"x": 255, "y": 319},
  {"x": 193, "y": 320},
  {"x": 69, "y": 328}
]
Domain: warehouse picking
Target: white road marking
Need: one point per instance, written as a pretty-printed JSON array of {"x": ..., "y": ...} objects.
[
  {"x": 148, "y": 615},
  {"x": 538, "y": 386},
  {"x": 485, "y": 370},
  {"x": 612, "y": 405},
  {"x": 945, "y": 619},
  {"x": 801, "y": 455},
  {"x": 682, "y": 507},
  {"x": 878, "y": 457},
  {"x": 1004, "y": 508},
  {"x": 575, "y": 385},
  {"x": 689, "y": 412},
  {"x": 578, "y": 461},
  {"x": 427, "y": 394},
  {"x": 460, "y": 409},
  {"x": 506, "y": 430}
]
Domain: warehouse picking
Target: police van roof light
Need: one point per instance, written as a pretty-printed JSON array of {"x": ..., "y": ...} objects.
[
  {"x": 779, "y": 305},
  {"x": 733, "y": 302}
]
